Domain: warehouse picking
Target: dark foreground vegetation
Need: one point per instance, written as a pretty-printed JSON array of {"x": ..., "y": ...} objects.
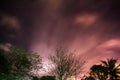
[{"x": 19, "y": 64}]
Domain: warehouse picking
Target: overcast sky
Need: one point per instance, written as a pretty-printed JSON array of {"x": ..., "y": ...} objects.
[{"x": 91, "y": 28}]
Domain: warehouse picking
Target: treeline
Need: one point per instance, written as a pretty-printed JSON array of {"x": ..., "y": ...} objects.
[{"x": 20, "y": 64}]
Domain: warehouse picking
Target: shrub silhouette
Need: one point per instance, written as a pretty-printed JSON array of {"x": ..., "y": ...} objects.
[{"x": 47, "y": 78}]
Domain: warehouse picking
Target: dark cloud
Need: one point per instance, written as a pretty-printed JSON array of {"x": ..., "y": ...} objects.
[
  {"x": 81, "y": 25},
  {"x": 9, "y": 28},
  {"x": 26, "y": 12},
  {"x": 109, "y": 8}
]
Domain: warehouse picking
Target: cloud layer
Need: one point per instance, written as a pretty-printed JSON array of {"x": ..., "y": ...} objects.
[{"x": 90, "y": 27}]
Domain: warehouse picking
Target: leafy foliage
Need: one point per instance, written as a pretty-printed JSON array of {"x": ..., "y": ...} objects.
[
  {"x": 17, "y": 63},
  {"x": 108, "y": 70}
]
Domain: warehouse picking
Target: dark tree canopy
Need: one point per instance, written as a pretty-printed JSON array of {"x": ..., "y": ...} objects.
[
  {"x": 4, "y": 63},
  {"x": 18, "y": 62},
  {"x": 47, "y": 78},
  {"x": 108, "y": 70}
]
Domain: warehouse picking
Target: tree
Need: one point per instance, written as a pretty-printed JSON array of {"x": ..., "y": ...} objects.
[
  {"x": 108, "y": 70},
  {"x": 65, "y": 64},
  {"x": 98, "y": 72},
  {"x": 18, "y": 62},
  {"x": 36, "y": 64},
  {"x": 113, "y": 70}
]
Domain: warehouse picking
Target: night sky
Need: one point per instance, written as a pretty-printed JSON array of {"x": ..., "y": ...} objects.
[{"x": 91, "y": 28}]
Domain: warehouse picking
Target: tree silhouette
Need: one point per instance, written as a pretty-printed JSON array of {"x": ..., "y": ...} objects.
[
  {"x": 98, "y": 72},
  {"x": 113, "y": 70},
  {"x": 108, "y": 70},
  {"x": 65, "y": 64},
  {"x": 17, "y": 62},
  {"x": 47, "y": 78}
]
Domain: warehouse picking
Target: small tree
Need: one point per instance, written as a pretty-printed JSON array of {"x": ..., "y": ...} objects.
[{"x": 65, "y": 64}]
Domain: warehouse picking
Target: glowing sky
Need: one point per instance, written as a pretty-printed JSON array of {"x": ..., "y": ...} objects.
[{"x": 90, "y": 27}]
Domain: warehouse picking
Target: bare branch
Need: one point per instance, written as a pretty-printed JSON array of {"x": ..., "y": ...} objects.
[{"x": 65, "y": 64}]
